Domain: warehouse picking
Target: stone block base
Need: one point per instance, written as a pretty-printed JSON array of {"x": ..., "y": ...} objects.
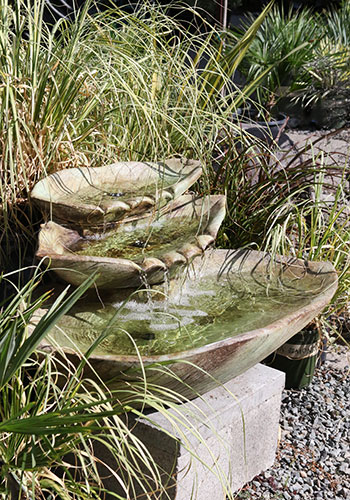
[{"x": 230, "y": 437}]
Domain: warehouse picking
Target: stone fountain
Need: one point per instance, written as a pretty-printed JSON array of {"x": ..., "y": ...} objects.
[
  {"x": 197, "y": 317},
  {"x": 208, "y": 314}
]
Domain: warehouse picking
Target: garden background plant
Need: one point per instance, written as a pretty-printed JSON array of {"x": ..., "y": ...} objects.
[
  {"x": 116, "y": 86},
  {"x": 308, "y": 51}
]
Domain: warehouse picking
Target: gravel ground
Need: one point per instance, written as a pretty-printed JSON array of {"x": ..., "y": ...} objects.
[
  {"x": 313, "y": 459},
  {"x": 335, "y": 147}
]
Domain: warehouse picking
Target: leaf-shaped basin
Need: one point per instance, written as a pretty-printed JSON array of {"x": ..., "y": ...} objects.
[
  {"x": 132, "y": 253},
  {"x": 100, "y": 195},
  {"x": 231, "y": 310}
]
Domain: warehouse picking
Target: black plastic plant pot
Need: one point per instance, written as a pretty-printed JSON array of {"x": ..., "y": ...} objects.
[
  {"x": 277, "y": 121},
  {"x": 297, "y": 359},
  {"x": 244, "y": 112}
]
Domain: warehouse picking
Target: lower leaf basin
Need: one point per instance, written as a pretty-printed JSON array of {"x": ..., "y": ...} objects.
[
  {"x": 228, "y": 312},
  {"x": 143, "y": 251}
]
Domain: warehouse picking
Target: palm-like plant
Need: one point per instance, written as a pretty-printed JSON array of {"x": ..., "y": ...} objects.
[
  {"x": 337, "y": 24},
  {"x": 328, "y": 70},
  {"x": 284, "y": 43}
]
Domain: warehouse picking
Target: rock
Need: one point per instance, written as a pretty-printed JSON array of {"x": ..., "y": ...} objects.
[{"x": 345, "y": 469}]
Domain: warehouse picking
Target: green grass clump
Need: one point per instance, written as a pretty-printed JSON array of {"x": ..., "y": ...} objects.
[
  {"x": 94, "y": 90},
  {"x": 317, "y": 229},
  {"x": 53, "y": 418}
]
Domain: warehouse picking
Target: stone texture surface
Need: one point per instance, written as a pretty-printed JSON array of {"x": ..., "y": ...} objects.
[{"x": 231, "y": 436}]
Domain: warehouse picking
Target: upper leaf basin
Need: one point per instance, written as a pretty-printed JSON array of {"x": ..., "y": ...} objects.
[
  {"x": 228, "y": 312},
  {"x": 100, "y": 195},
  {"x": 134, "y": 253}
]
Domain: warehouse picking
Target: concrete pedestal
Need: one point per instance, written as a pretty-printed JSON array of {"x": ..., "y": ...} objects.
[{"x": 231, "y": 436}]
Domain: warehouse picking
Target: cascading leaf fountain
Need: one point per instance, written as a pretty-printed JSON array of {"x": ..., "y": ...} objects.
[{"x": 208, "y": 314}]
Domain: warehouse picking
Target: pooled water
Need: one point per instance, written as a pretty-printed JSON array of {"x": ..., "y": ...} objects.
[
  {"x": 135, "y": 242},
  {"x": 200, "y": 312},
  {"x": 104, "y": 195}
]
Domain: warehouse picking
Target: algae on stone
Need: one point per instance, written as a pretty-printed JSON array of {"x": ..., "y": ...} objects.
[
  {"x": 135, "y": 243},
  {"x": 201, "y": 312}
]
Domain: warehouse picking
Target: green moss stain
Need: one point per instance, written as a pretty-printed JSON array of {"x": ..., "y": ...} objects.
[
  {"x": 135, "y": 243},
  {"x": 201, "y": 312}
]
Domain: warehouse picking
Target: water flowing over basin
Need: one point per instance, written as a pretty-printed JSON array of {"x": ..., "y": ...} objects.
[
  {"x": 100, "y": 195},
  {"x": 145, "y": 250},
  {"x": 227, "y": 312}
]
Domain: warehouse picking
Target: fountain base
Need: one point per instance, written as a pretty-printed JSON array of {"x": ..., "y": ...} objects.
[{"x": 238, "y": 424}]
